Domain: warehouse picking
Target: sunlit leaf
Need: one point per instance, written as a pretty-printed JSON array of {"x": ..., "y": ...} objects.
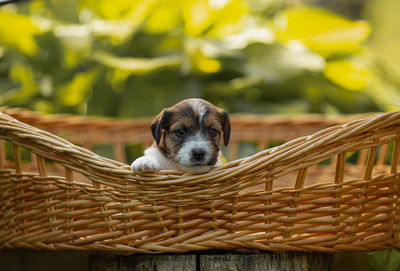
[
  {"x": 350, "y": 74},
  {"x": 216, "y": 17},
  {"x": 321, "y": 30},
  {"x": 76, "y": 91},
  {"x": 164, "y": 17},
  {"x": 197, "y": 15},
  {"x": 118, "y": 19},
  {"x": 137, "y": 65},
  {"x": 18, "y": 32},
  {"x": 206, "y": 64},
  {"x": 229, "y": 18},
  {"x": 22, "y": 73}
]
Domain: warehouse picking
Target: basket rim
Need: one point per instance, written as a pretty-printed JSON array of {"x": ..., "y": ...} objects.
[
  {"x": 366, "y": 119},
  {"x": 119, "y": 175}
]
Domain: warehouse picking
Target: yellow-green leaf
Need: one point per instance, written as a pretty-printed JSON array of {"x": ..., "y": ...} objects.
[
  {"x": 118, "y": 19},
  {"x": 206, "y": 64},
  {"x": 22, "y": 73},
  {"x": 18, "y": 32},
  {"x": 163, "y": 18},
  {"x": 197, "y": 15},
  {"x": 321, "y": 30},
  {"x": 75, "y": 91},
  {"x": 218, "y": 18},
  {"x": 350, "y": 74},
  {"x": 229, "y": 18},
  {"x": 223, "y": 159}
]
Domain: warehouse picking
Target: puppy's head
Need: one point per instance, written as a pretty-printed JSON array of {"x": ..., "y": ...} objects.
[{"x": 190, "y": 134}]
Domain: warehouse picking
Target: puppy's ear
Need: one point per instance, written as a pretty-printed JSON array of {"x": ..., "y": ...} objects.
[
  {"x": 226, "y": 125},
  {"x": 159, "y": 123}
]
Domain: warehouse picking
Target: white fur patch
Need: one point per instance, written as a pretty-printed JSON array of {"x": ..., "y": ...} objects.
[
  {"x": 219, "y": 160},
  {"x": 152, "y": 161},
  {"x": 145, "y": 164},
  {"x": 199, "y": 107}
]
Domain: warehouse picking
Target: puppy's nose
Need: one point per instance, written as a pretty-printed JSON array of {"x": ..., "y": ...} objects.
[{"x": 198, "y": 154}]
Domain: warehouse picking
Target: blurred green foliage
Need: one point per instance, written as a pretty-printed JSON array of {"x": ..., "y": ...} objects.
[
  {"x": 131, "y": 58},
  {"x": 388, "y": 260}
]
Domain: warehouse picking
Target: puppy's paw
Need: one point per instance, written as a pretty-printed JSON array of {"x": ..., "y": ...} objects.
[{"x": 145, "y": 164}]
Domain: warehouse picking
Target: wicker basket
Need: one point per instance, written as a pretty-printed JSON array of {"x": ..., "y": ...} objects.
[{"x": 334, "y": 190}]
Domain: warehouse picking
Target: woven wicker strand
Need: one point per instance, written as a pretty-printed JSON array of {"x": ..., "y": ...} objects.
[{"x": 336, "y": 189}]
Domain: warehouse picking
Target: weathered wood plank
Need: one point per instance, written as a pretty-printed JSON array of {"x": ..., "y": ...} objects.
[
  {"x": 100, "y": 262},
  {"x": 289, "y": 261},
  {"x": 103, "y": 262}
]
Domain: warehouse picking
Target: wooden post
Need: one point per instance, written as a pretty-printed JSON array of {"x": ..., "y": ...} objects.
[
  {"x": 288, "y": 261},
  {"x": 106, "y": 262}
]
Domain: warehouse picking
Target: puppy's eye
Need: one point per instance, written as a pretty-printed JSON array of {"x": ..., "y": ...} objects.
[
  {"x": 180, "y": 133},
  {"x": 213, "y": 132}
]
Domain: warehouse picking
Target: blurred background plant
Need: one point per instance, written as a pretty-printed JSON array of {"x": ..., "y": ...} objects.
[{"x": 131, "y": 58}]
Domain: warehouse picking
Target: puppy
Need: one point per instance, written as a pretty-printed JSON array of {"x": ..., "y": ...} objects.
[{"x": 187, "y": 137}]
